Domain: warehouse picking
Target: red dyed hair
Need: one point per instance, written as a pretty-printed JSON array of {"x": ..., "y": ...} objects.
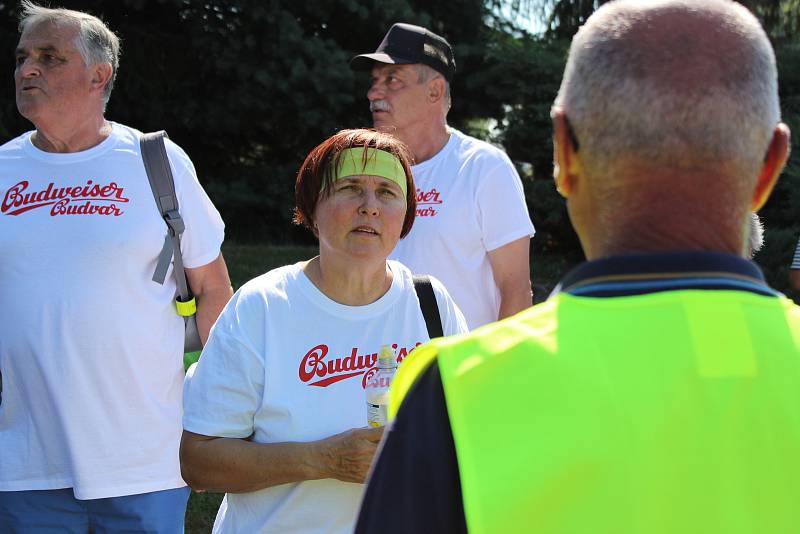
[{"x": 315, "y": 177}]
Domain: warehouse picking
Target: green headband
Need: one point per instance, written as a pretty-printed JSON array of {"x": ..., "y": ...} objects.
[{"x": 353, "y": 162}]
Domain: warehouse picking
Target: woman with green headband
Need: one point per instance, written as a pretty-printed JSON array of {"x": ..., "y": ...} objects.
[{"x": 275, "y": 412}]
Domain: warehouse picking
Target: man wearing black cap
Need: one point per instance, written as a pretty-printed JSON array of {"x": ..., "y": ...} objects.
[{"x": 472, "y": 230}]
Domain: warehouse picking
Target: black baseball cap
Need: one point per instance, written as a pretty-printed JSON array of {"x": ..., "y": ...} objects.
[{"x": 405, "y": 44}]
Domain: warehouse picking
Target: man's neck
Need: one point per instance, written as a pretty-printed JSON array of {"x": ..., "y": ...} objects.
[
  {"x": 425, "y": 143},
  {"x": 657, "y": 233},
  {"x": 63, "y": 138},
  {"x": 662, "y": 209}
]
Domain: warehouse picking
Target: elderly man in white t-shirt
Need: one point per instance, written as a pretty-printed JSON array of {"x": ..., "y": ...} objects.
[
  {"x": 90, "y": 346},
  {"x": 472, "y": 230}
]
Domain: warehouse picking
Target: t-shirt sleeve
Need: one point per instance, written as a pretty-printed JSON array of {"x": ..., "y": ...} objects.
[
  {"x": 205, "y": 231},
  {"x": 226, "y": 388},
  {"x": 453, "y": 321},
  {"x": 502, "y": 212},
  {"x": 415, "y": 484}
]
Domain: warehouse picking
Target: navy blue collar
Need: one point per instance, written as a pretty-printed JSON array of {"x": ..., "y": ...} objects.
[{"x": 637, "y": 274}]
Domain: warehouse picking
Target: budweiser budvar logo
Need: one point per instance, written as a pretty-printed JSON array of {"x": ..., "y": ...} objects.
[
  {"x": 325, "y": 371},
  {"x": 426, "y": 200},
  {"x": 87, "y": 199}
]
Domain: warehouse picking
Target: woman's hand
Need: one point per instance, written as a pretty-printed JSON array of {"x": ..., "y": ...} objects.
[
  {"x": 347, "y": 456},
  {"x": 238, "y": 465}
]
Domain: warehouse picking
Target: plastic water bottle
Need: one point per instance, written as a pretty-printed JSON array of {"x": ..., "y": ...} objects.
[{"x": 377, "y": 387}]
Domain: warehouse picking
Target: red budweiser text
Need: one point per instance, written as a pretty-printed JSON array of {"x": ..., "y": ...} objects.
[
  {"x": 426, "y": 200},
  {"x": 325, "y": 371},
  {"x": 87, "y": 199}
]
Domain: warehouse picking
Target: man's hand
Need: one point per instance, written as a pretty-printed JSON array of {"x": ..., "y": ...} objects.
[{"x": 348, "y": 456}]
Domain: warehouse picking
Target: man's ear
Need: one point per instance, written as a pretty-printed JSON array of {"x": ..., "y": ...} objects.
[
  {"x": 774, "y": 161},
  {"x": 101, "y": 75},
  {"x": 435, "y": 89},
  {"x": 566, "y": 160}
]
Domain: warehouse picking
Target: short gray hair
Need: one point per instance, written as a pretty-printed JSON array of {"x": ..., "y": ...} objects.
[
  {"x": 95, "y": 42},
  {"x": 427, "y": 73},
  {"x": 632, "y": 97}
]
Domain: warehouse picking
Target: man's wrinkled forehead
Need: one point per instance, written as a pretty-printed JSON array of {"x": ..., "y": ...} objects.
[
  {"x": 386, "y": 69},
  {"x": 47, "y": 36}
]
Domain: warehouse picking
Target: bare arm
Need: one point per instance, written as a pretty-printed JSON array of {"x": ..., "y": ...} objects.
[
  {"x": 211, "y": 287},
  {"x": 511, "y": 268},
  {"x": 238, "y": 465}
]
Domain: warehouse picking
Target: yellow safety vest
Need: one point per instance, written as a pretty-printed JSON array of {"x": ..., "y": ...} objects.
[{"x": 675, "y": 412}]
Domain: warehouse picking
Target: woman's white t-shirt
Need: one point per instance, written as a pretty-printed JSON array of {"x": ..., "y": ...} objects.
[{"x": 286, "y": 363}]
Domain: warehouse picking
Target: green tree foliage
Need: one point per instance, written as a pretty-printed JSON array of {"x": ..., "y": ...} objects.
[{"x": 248, "y": 87}]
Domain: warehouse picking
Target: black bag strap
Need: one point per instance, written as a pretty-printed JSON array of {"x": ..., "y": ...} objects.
[{"x": 428, "y": 305}]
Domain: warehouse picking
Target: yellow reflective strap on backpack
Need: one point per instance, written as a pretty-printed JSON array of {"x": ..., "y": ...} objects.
[{"x": 187, "y": 308}]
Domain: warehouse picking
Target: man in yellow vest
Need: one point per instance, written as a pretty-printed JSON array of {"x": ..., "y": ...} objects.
[{"x": 658, "y": 391}]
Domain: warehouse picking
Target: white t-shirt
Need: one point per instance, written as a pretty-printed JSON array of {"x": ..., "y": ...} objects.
[
  {"x": 469, "y": 201},
  {"x": 90, "y": 347},
  {"x": 286, "y": 363}
]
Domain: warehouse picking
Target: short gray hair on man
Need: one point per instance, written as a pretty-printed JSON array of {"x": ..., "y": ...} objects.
[
  {"x": 682, "y": 99},
  {"x": 427, "y": 73},
  {"x": 755, "y": 234},
  {"x": 95, "y": 42}
]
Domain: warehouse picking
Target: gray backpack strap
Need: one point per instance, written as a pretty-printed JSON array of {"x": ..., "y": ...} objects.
[
  {"x": 159, "y": 173},
  {"x": 162, "y": 183},
  {"x": 428, "y": 305}
]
